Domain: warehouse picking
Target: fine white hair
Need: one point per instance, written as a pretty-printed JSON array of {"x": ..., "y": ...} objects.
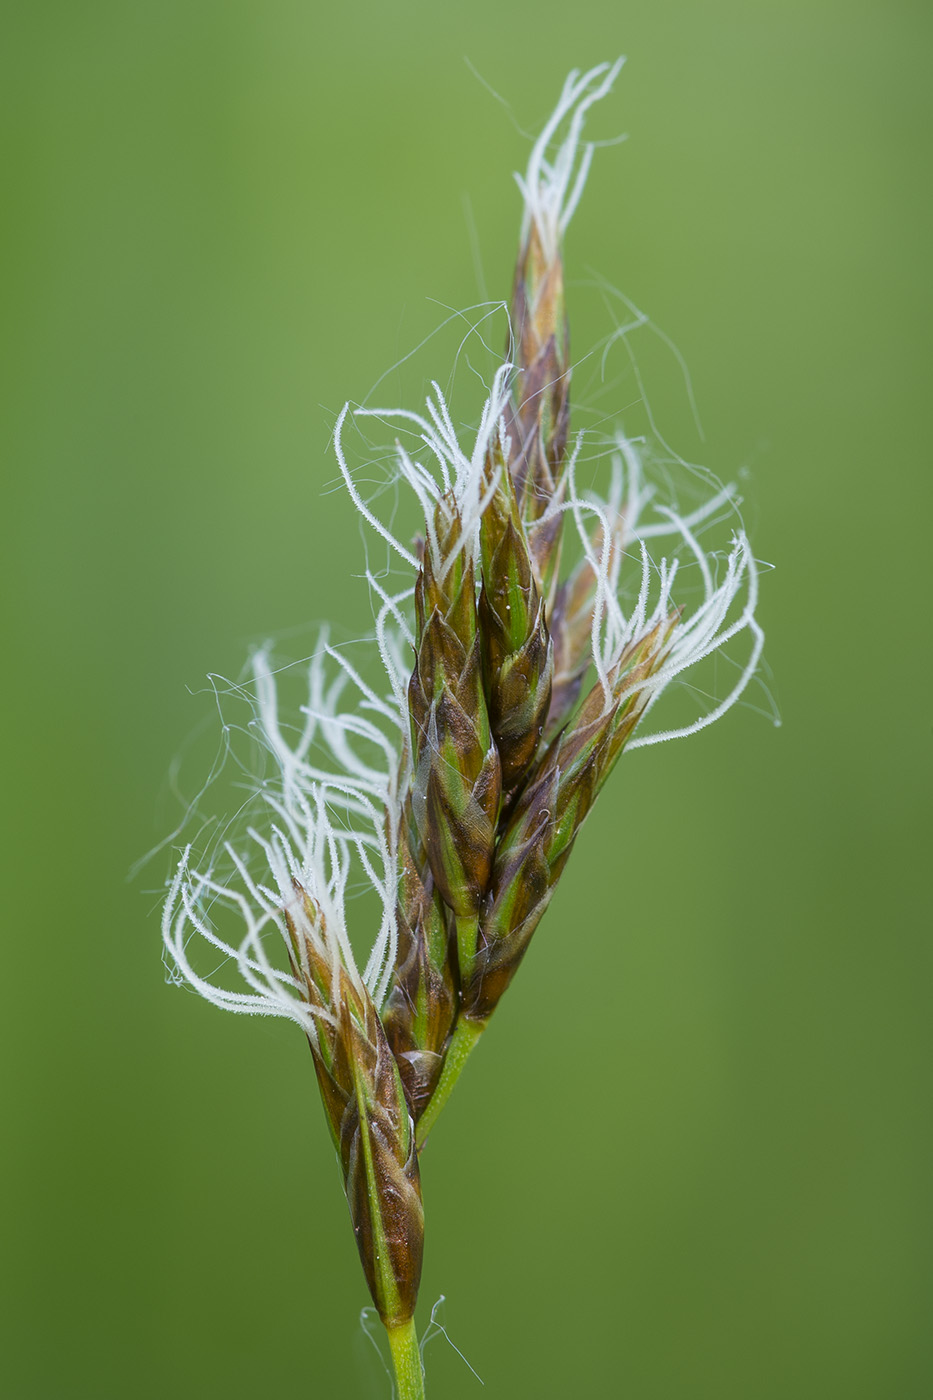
[
  {"x": 450, "y": 473},
  {"x": 613, "y": 528},
  {"x": 331, "y": 813},
  {"x": 552, "y": 186}
]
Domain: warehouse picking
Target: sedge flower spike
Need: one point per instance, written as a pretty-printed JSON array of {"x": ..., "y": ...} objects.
[{"x": 530, "y": 645}]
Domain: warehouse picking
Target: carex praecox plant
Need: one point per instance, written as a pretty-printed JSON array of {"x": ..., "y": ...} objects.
[{"x": 458, "y": 789}]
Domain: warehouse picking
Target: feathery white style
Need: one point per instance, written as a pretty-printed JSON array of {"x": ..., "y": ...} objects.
[{"x": 551, "y": 187}]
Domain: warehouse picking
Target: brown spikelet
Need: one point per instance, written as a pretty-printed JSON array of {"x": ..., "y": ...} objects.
[
  {"x": 368, "y": 1116},
  {"x": 421, "y": 1006},
  {"x": 539, "y": 417},
  {"x": 456, "y": 786},
  {"x": 536, "y": 843},
  {"x": 517, "y": 653}
]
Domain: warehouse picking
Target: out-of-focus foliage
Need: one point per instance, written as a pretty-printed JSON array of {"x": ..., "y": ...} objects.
[{"x": 222, "y": 220}]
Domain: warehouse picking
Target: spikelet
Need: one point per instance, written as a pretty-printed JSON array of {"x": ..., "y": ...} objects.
[
  {"x": 517, "y": 654},
  {"x": 538, "y": 421},
  {"x": 534, "y": 846},
  {"x": 421, "y": 1007},
  {"x": 457, "y": 780},
  {"x": 367, "y": 1112}
]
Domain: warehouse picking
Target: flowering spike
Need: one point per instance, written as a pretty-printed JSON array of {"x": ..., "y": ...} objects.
[{"x": 456, "y": 793}]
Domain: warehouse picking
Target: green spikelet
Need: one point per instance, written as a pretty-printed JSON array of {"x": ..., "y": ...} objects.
[
  {"x": 368, "y": 1118},
  {"x": 517, "y": 653},
  {"x": 550, "y": 811},
  {"x": 457, "y": 777}
]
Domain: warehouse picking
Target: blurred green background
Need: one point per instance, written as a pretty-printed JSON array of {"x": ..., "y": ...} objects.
[{"x": 692, "y": 1158}]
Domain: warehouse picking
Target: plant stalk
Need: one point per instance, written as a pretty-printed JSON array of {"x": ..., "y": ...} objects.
[
  {"x": 465, "y": 1036},
  {"x": 406, "y": 1358}
]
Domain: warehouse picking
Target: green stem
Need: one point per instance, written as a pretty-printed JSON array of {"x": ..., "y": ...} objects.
[
  {"x": 406, "y": 1358},
  {"x": 465, "y": 1036}
]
